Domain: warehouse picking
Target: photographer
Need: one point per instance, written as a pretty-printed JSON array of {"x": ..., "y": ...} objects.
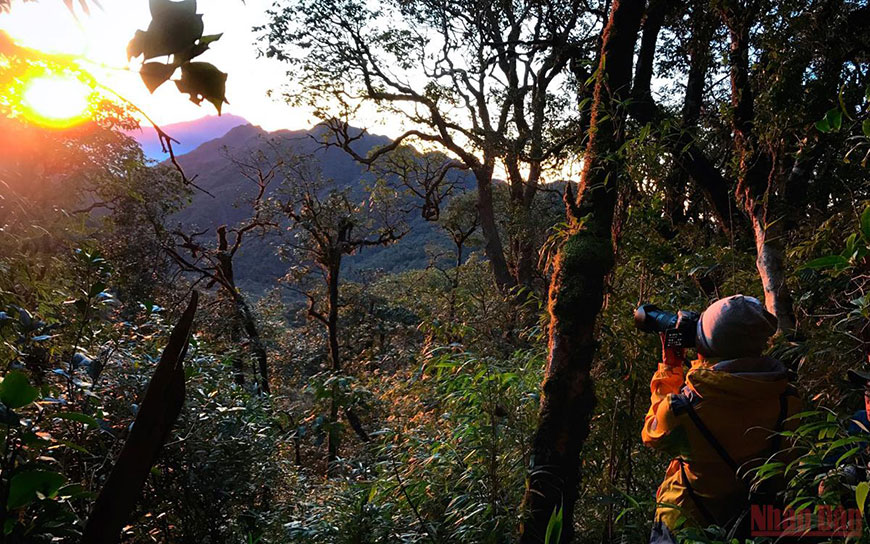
[{"x": 716, "y": 419}]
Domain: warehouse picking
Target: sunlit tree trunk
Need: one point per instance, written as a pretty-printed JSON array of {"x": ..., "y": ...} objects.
[{"x": 577, "y": 290}]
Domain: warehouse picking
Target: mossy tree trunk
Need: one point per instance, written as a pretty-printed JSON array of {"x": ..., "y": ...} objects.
[{"x": 577, "y": 290}]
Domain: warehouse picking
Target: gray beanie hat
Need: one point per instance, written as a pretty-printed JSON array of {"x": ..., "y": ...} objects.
[{"x": 733, "y": 327}]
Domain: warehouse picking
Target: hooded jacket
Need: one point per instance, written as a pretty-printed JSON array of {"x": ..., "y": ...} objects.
[{"x": 740, "y": 402}]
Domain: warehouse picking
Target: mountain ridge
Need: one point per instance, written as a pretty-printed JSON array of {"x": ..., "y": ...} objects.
[{"x": 258, "y": 265}]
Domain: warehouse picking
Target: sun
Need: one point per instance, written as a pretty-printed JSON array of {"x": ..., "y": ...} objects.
[{"x": 56, "y": 101}]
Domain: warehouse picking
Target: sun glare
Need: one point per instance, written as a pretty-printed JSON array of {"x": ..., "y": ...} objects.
[{"x": 56, "y": 101}]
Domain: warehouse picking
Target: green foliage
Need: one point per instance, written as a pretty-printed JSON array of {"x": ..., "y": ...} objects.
[
  {"x": 15, "y": 392},
  {"x": 554, "y": 528},
  {"x": 30, "y": 485}
]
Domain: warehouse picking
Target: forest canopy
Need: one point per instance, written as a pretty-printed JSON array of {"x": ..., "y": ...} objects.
[{"x": 340, "y": 332}]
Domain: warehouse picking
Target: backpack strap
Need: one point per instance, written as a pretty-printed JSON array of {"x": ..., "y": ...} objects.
[
  {"x": 780, "y": 421},
  {"x": 694, "y": 496},
  {"x": 716, "y": 445},
  {"x": 723, "y": 453}
]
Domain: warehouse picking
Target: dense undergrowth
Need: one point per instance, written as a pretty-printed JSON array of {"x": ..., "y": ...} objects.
[{"x": 445, "y": 381}]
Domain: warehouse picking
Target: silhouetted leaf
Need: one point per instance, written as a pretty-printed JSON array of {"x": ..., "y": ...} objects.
[
  {"x": 137, "y": 45},
  {"x": 203, "y": 81},
  {"x": 207, "y": 40},
  {"x": 195, "y": 50},
  {"x": 175, "y": 26},
  {"x": 163, "y": 8},
  {"x": 155, "y": 74}
]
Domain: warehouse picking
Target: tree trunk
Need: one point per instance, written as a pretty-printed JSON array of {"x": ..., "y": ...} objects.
[
  {"x": 249, "y": 323},
  {"x": 688, "y": 157},
  {"x": 715, "y": 189},
  {"x": 522, "y": 195},
  {"x": 333, "y": 436},
  {"x": 526, "y": 258},
  {"x": 770, "y": 261},
  {"x": 238, "y": 366},
  {"x": 492, "y": 241},
  {"x": 577, "y": 291},
  {"x": 244, "y": 314}
]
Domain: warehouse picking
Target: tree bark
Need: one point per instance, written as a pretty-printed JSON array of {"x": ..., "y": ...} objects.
[
  {"x": 249, "y": 323},
  {"x": 244, "y": 314},
  {"x": 238, "y": 360},
  {"x": 577, "y": 290},
  {"x": 521, "y": 237}
]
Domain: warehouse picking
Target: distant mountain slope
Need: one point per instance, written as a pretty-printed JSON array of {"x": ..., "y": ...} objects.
[
  {"x": 190, "y": 134},
  {"x": 257, "y": 263}
]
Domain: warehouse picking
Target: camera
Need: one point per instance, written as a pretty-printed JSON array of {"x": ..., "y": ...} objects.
[{"x": 680, "y": 328}]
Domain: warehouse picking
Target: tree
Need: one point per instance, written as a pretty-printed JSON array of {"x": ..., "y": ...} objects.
[
  {"x": 678, "y": 131},
  {"x": 580, "y": 266},
  {"x": 326, "y": 225},
  {"x": 478, "y": 80},
  {"x": 215, "y": 264}
]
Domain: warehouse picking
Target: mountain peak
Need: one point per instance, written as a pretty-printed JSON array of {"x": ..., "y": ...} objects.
[{"x": 190, "y": 134}]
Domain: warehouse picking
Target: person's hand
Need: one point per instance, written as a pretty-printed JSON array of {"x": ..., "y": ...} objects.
[{"x": 672, "y": 357}]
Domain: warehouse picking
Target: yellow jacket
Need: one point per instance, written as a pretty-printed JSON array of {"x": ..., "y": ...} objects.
[{"x": 740, "y": 402}]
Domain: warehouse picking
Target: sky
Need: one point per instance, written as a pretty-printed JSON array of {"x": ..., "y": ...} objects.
[{"x": 100, "y": 40}]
